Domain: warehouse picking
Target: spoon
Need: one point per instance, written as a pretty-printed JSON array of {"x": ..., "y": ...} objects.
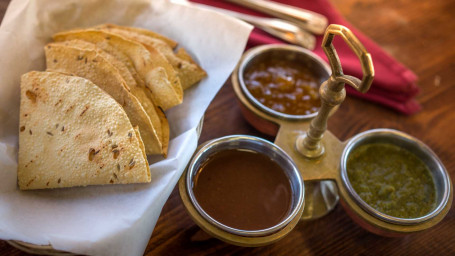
[
  {"x": 284, "y": 30},
  {"x": 308, "y": 20}
]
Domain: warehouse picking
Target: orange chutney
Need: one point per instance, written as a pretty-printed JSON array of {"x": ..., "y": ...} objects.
[{"x": 285, "y": 86}]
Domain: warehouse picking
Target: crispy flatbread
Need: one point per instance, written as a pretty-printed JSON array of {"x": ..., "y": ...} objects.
[
  {"x": 173, "y": 44},
  {"x": 91, "y": 65},
  {"x": 188, "y": 71},
  {"x": 165, "y": 127},
  {"x": 156, "y": 72},
  {"x": 72, "y": 133},
  {"x": 139, "y": 90}
]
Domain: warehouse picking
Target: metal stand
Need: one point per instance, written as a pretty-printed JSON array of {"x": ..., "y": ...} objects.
[
  {"x": 315, "y": 151},
  {"x": 321, "y": 196}
]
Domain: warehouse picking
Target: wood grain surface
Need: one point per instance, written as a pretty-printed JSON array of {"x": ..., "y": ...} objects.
[{"x": 420, "y": 34}]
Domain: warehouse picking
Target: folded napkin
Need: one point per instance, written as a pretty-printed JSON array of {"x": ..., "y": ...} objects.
[{"x": 394, "y": 85}]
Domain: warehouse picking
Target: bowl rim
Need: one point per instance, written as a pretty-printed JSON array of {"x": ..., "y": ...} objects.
[
  {"x": 257, "y": 51},
  {"x": 205, "y": 150},
  {"x": 412, "y": 141}
]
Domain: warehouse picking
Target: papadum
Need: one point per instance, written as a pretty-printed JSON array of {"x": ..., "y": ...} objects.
[
  {"x": 137, "y": 87},
  {"x": 160, "y": 79},
  {"x": 188, "y": 71},
  {"x": 91, "y": 65},
  {"x": 72, "y": 133}
]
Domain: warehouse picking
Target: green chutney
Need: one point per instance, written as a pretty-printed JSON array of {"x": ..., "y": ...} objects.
[{"x": 392, "y": 180}]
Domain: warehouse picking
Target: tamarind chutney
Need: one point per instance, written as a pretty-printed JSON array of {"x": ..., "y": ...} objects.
[{"x": 243, "y": 189}]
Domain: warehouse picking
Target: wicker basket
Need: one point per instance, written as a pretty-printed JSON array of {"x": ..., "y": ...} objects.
[{"x": 37, "y": 249}]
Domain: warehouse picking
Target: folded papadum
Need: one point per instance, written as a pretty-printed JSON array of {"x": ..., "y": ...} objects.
[
  {"x": 153, "y": 68},
  {"x": 72, "y": 133},
  {"x": 188, "y": 71},
  {"x": 85, "y": 60}
]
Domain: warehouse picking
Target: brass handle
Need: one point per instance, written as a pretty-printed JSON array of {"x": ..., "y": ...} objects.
[
  {"x": 357, "y": 47},
  {"x": 332, "y": 91}
]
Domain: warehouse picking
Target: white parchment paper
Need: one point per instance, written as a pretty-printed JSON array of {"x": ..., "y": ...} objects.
[{"x": 112, "y": 219}]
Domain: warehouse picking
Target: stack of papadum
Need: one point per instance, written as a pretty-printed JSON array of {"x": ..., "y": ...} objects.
[{"x": 92, "y": 117}]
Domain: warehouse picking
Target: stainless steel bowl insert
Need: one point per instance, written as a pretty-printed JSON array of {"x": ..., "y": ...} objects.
[
  {"x": 287, "y": 52},
  {"x": 422, "y": 151},
  {"x": 258, "y": 145}
]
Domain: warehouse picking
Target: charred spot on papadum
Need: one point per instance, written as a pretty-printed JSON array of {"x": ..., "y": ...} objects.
[
  {"x": 116, "y": 153},
  {"x": 60, "y": 100},
  {"x": 85, "y": 109},
  {"x": 91, "y": 154},
  {"x": 30, "y": 181},
  {"x": 70, "y": 108},
  {"x": 132, "y": 163},
  {"x": 31, "y": 95}
]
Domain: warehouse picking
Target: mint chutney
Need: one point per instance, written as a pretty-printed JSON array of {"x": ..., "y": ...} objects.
[{"x": 392, "y": 180}]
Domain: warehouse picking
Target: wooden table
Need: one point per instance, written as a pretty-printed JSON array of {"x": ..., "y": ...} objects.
[{"x": 418, "y": 33}]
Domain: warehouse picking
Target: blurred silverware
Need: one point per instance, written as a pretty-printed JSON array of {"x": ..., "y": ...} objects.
[
  {"x": 308, "y": 20},
  {"x": 276, "y": 27}
]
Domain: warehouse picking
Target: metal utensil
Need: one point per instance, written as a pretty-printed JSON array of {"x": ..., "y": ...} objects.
[
  {"x": 308, "y": 20},
  {"x": 276, "y": 27}
]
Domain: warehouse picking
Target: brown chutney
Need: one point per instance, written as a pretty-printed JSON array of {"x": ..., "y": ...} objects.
[
  {"x": 286, "y": 86},
  {"x": 243, "y": 189}
]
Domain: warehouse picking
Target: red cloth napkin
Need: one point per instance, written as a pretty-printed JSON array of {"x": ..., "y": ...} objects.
[{"x": 394, "y": 85}]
